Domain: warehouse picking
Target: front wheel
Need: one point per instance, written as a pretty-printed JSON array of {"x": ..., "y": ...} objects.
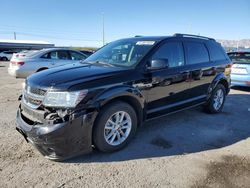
[
  {"x": 115, "y": 127},
  {"x": 217, "y": 99}
]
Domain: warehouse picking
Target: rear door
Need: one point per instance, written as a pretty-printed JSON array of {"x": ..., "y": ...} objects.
[
  {"x": 59, "y": 57},
  {"x": 201, "y": 69}
]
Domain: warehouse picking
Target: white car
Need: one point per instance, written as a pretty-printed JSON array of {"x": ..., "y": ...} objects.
[
  {"x": 27, "y": 63},
  {"x": 240, "y": 71},
  {"x": 6, "y": 55}
]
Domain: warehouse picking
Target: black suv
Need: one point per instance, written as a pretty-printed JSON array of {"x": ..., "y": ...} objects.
[{"x": 99, "y": 103}]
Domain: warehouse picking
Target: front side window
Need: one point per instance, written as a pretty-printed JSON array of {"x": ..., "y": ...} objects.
[
  {"x": 125, "y": 53},
  {"x": 77, "y": 56},
  {"x": 46, "y": 56},
  {"x": 172, "y": 52},
  {"x": 196, "y": 52}
]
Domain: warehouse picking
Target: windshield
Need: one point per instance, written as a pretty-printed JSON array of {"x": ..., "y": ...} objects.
[
  {"x": 240, "y": 57},
  {"x": 126, "y": 52}
]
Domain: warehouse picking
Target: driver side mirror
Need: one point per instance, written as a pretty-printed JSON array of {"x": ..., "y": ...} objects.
[{"x": 157, "y": 64}]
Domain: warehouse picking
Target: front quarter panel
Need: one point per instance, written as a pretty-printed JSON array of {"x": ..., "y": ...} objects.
[{"x": 117, "y": 92}]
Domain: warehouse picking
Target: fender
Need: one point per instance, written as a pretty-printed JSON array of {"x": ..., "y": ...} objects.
[
  {"x": 127, "y": 93},
  {"x": 219, "y": 78},
  {"x": 119, "y": 91}
]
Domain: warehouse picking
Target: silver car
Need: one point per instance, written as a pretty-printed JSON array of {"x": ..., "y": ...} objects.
[
  {"x": 25, "y": 64},
  {"x": 240, "y": 71}
]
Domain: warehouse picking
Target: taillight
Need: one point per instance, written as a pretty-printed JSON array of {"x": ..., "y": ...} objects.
[
  {"x": 17, "y": 63},
  {"x": 228, "y": 69},
  {"x": 229, "y": 65}
]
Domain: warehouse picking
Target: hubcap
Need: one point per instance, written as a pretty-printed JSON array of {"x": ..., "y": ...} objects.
[
  {"x": 218, "y": 99},
  {"x": 117, "y": 128}
]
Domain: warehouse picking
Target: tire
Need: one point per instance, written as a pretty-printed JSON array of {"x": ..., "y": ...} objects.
[
  {"x": 216, "y": 101},
  {"x": 4, "y": 59},
  {"x": 104, "y": 128}
]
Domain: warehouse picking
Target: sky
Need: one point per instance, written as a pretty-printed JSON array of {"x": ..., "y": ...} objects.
[{"x": 80, "y": 22}]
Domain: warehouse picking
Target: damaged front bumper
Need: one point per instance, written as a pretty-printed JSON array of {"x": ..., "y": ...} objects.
[{"x": 59, "y": 141}]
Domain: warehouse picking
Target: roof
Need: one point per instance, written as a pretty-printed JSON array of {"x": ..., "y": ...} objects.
[{"x": 177, "y": 35}]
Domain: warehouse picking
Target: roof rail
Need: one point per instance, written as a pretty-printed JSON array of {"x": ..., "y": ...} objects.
[{"x": 195, "y": 36}]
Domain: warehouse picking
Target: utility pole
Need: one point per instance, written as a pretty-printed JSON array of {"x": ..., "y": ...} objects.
[
  {"x": 14, "y": 35},
  {"x": 103, "y": 30}
]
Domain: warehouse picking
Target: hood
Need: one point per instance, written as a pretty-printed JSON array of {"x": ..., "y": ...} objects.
[{"x": 67, "y": 76}]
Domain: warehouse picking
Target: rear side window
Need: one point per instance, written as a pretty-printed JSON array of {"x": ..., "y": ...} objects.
[
  {"x": 216, "y": 51},
  {"x": 196, "y": 52},
  {"x": 173, "y": 52}
]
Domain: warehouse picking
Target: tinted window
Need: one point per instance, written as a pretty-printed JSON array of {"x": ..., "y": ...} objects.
[
  {"x": 196, "y": 52},
  {"x": 239, "y": 57},
  {"x": 173, "y": 52},
  {"x": 77, "y": 56},
  {"x": 63, "y": 55},
  {"x": 216, "y": 51}
]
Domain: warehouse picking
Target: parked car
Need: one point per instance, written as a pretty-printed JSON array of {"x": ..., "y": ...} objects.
[
  {"x": 87, "y": 53},
  {"x": 240, "y": 73},
  {"x": 27, "y": 63},
  {"x": 6, "y": 55},
  {"x": 68, "y": 110}
]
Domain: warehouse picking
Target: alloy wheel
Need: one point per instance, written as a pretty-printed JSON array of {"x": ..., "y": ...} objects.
[{"x": 117, "y": 128}]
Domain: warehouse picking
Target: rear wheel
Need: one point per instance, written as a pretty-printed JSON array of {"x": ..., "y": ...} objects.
[
  {"x": 115, "y": 127},
  {"x": 216, "y": 100},
  {"x": 4, "y": 59}
]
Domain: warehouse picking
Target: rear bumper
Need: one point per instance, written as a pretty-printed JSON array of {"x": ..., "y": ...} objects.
[
  {"x": 18, "y": 73},
  {"x": 59, "y": 141},
  {"x": 240, "y": 80}
]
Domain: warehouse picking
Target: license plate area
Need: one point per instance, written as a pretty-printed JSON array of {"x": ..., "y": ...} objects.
[{"x": 239, "y": 71}]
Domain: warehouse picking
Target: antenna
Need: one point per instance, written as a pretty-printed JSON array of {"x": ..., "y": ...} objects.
[{"x": 103, "y": 30}]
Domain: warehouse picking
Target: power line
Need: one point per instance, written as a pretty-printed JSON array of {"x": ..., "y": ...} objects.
[
  {"x": 42, "y": 30},
  {"x": 51, "y": 36}
]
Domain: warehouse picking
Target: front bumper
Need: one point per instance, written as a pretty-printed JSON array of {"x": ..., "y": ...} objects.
[
  {"x": 240, "y": 80},
  {"x": 59, "y": 141}
]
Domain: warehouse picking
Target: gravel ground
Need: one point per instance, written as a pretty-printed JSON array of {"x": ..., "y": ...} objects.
[{"x": 186, "y": 149}]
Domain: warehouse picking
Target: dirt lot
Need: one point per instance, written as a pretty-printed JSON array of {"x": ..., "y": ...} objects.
[{"x": 186, "y": 149}]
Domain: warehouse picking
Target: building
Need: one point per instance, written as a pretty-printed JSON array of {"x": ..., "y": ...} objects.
[{"x": 23, "y": 45}]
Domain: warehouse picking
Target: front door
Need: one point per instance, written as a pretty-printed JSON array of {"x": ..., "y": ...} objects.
[{"x": 169, "y": 87}]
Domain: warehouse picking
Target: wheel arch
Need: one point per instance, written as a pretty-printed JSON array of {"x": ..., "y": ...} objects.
[
  {"x": 130, "y": 95},
  {"x": 220, "y": 79},
  {"x": 41, "y": 69}
]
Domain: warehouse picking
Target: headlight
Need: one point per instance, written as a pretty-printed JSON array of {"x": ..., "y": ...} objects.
[{"x": 63, "y": 99}]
